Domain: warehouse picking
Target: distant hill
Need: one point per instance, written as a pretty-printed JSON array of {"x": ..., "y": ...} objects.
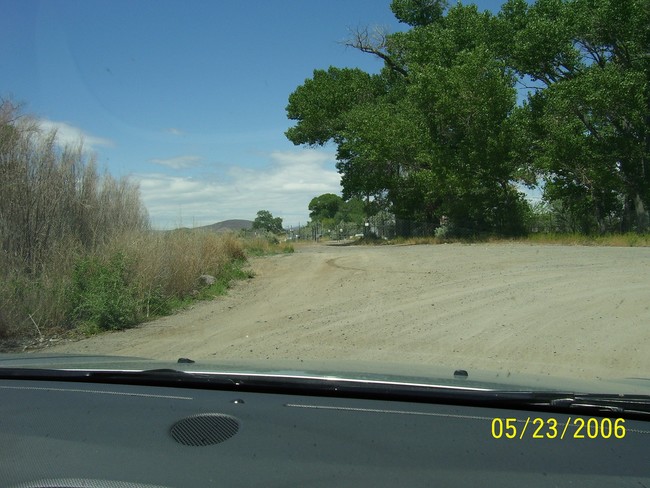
[{"x": 228, "y": 226}]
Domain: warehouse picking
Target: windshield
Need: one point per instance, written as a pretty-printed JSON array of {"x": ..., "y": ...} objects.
[{"x": 404, "y": 186}]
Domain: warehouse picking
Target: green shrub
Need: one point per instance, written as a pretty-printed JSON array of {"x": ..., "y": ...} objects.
[
  {"x": 156, "y": 303},
  {"x": 101, "y": 295}
]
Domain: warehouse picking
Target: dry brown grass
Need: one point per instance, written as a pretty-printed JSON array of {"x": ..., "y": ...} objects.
[
  {"x": 67, "y": 228},
  {"x": 173, "y": 261},
  {"x": 162, "y": 269},
  {"x": 264, "y": 245},
  {"x": 611, "y": 240}
]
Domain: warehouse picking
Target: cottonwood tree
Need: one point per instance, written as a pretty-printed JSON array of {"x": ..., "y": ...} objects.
[
  {"x": 440, "y": 130},
  {"x": 429, "y": 134},
  {"x": 585, "y": 128}
]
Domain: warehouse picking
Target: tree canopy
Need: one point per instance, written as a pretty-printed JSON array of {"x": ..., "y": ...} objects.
[
  {"x": 441, "y": 130},
  {"x": 330, "y": 210},
  {"x": 266, "y": 221},
  {"x": 325, "y": 206},
  {"x": 585, "y": 128}
]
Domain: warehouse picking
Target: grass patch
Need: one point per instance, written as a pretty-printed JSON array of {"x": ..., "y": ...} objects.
[
  {"x": 265, "y": 246},
  {"x": 610, "y": 240},
  {"x": 607, "y": 240}
]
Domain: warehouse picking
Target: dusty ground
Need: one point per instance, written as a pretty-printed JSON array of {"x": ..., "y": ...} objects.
[{"x": 566, "y": 311}]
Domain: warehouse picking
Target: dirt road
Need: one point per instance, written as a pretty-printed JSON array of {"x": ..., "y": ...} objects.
[{"x": 582, "y": 312}]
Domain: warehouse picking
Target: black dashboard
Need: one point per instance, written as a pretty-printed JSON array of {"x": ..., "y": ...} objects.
[{"x": 62, "y": 434}]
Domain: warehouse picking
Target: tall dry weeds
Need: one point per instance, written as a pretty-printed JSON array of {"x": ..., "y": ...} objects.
[
  {"x": 76, "y": 244},
  {"x": 173, "y": 261}
]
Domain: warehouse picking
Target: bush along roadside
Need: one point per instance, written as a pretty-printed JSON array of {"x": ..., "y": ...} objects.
[
  {"x": 102, "y": 296},
  {"x": 133, "y": 278},
  {"x": 105, "y": 296}
]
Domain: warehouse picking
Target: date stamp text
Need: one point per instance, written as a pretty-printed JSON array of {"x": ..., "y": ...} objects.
[{"x": 552, "y": 428}]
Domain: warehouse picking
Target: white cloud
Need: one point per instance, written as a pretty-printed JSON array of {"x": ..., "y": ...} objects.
[
  {"x": 179, "y": 162},
  {"x": 67, "y": 134},
  {"x": 305, "y": 157},
  {"x": 533, "y": 195},
  {"x": 284, "y": 187},
  {"x": 174, "y": 131}
]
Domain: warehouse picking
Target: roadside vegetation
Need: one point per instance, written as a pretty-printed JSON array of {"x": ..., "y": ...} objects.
[
  {"x": 262, "y": 238},
  {"x": 265, "y": 245},
  {"x": 78, "y": 255},
  {"x": 630, "y": 239}
]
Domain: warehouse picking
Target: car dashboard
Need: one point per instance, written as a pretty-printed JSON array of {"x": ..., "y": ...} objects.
[{"x": 85, "y": 434}]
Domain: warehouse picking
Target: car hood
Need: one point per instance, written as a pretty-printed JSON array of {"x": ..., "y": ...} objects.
[{"x": 382, "y": 372}]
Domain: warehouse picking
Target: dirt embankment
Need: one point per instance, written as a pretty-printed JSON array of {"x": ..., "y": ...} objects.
[{"x": 567, "y": 311}]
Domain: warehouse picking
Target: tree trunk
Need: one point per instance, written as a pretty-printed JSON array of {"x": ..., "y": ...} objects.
[{"x": 641, "y": 214}]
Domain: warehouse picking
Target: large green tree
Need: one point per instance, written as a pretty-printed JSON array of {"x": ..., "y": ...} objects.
[
  {"x": 331, "y": 210},
  {"x": 428, "y": 136},
  {"x": 325, "y": 206},
  {"x": 439, "y": 131},
  {"x": 266, "y": 221},
  {"x": 585, "y": 128}
]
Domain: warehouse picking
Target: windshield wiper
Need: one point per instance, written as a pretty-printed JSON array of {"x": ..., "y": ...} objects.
[
  {"x": 606, "y": 405},
  {"x": 637, "y": 404}
]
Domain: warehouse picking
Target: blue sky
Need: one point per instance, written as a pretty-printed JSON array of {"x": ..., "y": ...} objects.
[{"x": 187, "y": 97}]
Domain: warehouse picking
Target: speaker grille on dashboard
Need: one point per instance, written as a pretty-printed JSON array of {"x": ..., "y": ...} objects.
[{"x": 204, "y": 429}]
